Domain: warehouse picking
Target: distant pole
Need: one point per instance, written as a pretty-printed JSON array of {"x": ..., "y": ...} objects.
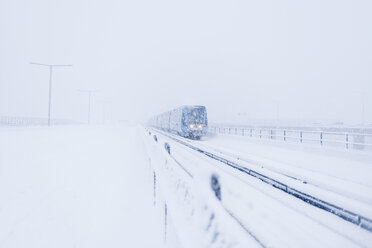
[
  {"x": 89, "y": 101},
  {"x": 50, "y": 84},
  {"x": 50, "y": 92},
  {"x": 90, "y": 94},
  {"x": 363, "y": 111}
]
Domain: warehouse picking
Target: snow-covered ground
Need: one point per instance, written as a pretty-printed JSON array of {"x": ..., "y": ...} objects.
[
  {"x": 76, "y": 187},
  {"x": 344, "y": 176},
  {"x": 118, "y": 187}
]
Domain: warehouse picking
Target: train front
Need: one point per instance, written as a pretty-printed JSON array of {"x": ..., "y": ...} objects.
[{"x": 196, "y": 121}]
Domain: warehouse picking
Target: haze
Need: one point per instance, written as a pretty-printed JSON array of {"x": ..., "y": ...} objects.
[{"x": 264, "y": 60}]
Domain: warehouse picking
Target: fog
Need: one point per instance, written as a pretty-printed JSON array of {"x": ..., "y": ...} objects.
[{"x": 244, "y": 60}]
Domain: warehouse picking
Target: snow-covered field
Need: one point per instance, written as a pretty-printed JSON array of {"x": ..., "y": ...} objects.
[{"x": 76, "y": 187}]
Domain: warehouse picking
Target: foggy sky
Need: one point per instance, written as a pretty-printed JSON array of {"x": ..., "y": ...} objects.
[{"x": 286, "y": 60}]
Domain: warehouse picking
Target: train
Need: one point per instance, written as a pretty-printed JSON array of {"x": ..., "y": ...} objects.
[{"x": 187, "y": 121}]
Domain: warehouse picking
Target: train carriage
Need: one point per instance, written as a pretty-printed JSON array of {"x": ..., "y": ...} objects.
[{"x": 187, "y": 121}]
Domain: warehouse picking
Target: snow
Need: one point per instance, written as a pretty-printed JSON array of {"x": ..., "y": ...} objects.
[
  {"x": 275, "y": 218},
  {"x": 76, "y": 187},
  {"x": 72, "y": 186},
  {"x": 199, "y": 219},
  {"x": 342, "y": 177}
]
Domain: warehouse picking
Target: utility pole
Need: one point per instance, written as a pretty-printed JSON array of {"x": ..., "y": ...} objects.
[
  {"x": 363, "y": 111},
  {"x": 50, "y": 83},
  {"x": 89, "y": 95}
]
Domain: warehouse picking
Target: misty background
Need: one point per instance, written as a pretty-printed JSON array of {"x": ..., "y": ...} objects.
[{"x": 243, "y": 60}]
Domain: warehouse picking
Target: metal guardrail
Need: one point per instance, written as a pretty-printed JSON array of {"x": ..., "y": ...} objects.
[{"x": 347, "y": 140}]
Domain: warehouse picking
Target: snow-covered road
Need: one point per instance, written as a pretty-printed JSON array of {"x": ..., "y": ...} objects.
[{"x": 75, "y": 187}]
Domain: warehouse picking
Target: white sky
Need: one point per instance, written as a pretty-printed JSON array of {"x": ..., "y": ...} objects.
[{"x": 311, "y": 60}]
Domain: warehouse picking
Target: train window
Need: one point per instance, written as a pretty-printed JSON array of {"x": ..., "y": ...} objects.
[{"x": 196, "y": 115}]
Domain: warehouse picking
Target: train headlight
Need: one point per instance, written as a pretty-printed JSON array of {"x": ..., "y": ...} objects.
[
  {"x": 200, "y": 126},
  {"x": 191, "y": 125}
]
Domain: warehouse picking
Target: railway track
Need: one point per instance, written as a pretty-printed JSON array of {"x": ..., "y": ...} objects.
[{"x": 344, "y": 213}]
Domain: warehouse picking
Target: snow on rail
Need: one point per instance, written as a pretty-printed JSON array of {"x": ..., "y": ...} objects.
[{"x": 345, "y": 214}]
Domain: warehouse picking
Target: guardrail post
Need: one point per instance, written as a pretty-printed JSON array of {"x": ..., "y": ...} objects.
[
  {"x": 284, "y": 135},
  {"x": 236, "y": 131},
  {"x": 242, "y": 131},
  {"x": 251, "y": 132},
  {"x": 165, "y": 222},
  {"x": 271, "y": 134},
  {"x": 216, "y": 187},
  {"x": 260, "y": 133},
  {"x": 167, "y": 147},
  {"x": 229, "y": 130},
  {"x": 300, "y": 136},
  {"x": 347, "y": 140},
  {"x": 321, "y": 138},
  {"x": 154, "y": 188}
]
